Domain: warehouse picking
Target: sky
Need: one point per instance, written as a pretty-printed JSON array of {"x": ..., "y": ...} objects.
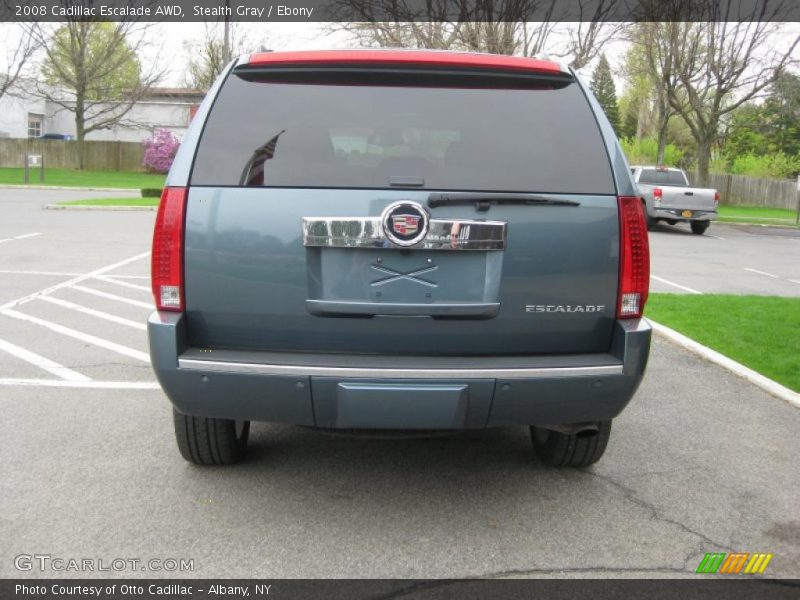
[{"x": 275, "y": 36}]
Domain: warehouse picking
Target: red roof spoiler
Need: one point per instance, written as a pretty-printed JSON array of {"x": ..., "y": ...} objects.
[{"x": 417, "y": 58}]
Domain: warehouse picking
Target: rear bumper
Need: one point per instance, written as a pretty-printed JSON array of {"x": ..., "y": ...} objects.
[
  {"x": 674, "y": 214},
  {"x": 397, "y": 392}
]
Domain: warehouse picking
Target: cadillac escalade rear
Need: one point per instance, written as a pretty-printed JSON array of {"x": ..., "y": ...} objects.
[{"x": 399, "y": 240}]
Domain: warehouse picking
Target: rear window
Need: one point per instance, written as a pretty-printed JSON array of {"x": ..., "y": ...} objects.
[
  {"x": 262, "y": 133},
  {"x": 662, "y": 177}
]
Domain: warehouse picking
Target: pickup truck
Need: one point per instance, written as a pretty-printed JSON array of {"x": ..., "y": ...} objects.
[
  {"x": 383, "y": 240},
  {"x": 667, "y": 197}
]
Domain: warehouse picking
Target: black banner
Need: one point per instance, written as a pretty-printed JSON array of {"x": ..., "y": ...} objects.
[
  {"x": 377, "y": 589},
  {"x": 399, "y": 10}
]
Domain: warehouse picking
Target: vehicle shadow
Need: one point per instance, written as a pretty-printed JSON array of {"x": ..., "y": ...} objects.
[
  {"x": 677, "y": 229},
  {"x": 484, "y": 472}
]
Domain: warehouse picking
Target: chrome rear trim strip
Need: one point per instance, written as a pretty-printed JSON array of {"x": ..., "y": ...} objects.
[
  {"x": 367, "y": 232},
  {"x": 211, "y": 366}
]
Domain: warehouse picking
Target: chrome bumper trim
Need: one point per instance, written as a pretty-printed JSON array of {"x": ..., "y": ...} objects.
[
  {"x": 675, "y": 213},
  {"x": 211, "y": 366}
]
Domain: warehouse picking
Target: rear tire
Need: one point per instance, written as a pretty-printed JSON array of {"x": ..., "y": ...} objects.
[
  {"x": 699, "y": 227},
  {"x": 207, "y": 441},
  {"x": 571, "y": 450}
]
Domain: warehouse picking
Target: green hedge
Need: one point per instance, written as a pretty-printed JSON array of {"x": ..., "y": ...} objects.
[{"x": 151, "y": 192}]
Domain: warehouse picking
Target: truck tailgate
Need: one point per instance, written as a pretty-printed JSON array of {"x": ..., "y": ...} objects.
[{"x": 688, "y": 198}]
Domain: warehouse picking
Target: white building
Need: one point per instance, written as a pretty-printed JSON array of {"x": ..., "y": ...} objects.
[{"x": 26, "y": 115}]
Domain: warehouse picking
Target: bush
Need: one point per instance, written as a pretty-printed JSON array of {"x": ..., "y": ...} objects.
[
  {"x": 159, "y": 151},
  {"x": 151, "y": 192},
  {"x": 719, "y": 164},
  {"x": 775, "y": 166},
  {"x": 644, "y": 151}
]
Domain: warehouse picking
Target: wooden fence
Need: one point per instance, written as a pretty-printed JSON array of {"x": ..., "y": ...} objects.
[
  {"x": 750, "y": 191},
  {"x": 100, "y": 156}
]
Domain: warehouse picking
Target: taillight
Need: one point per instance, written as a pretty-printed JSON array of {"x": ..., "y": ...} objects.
[
  {"x": 657, "y": 192},
  {"x": 716, "y": 199},
  {"x": 634, "y": 259},
  {"x": 167, "y": 258}
]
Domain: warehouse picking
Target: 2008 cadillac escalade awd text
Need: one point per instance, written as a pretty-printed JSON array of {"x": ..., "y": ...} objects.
[{"x": 405, "y": 240}]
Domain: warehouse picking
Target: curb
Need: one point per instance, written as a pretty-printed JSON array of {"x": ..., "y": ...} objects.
[
  {"x": 69, "y": 188},
  {"x": 757, "y": 379},
  {"x": 98, "y": 207},
  {"x": 791, "y": 225}
]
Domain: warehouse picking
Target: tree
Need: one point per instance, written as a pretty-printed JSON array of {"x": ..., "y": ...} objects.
[
  {"x": 722, "y": 65},
  {"x": 656, "y": 44},
  {"x": 782, "y": 114},
  {"x": 92, "y": 70},
  {"x": 21, "y": 46},
  {"x": 498, "y": 26},
  {"x": 635, "y": 103},
  {"x": 210, "y": 56},
  {"x": 591, "y": 32},
  {"x": 602, "y": 86}
]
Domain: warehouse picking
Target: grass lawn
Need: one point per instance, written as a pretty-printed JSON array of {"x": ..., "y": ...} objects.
[
  {"x": 757, "y": 214},
  {"x": 113, "y": 202},
  {"x": 69, "y": 177},
  {"x": 762, "y": 332}
]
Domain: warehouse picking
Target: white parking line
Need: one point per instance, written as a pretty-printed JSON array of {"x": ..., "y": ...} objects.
[
  {"x": 103, "y": 385},
  {"x": 72, "y": 281},
  {"x": 132, "y": 286},
  {"x": 761, "y": 272},
  {"x": 84, "y": 337},
  {"x": 95, "y": 313},
  {"x": 677, "y": 285},
  {"x": 111, "y": 296},
  {"x": 64, "y": 274},
  {"x": 19, "y": 237},
  {"x": 49, "y": 273},
  {"x": 716, "y": 237},
  {"x": 65, "y": 373}
]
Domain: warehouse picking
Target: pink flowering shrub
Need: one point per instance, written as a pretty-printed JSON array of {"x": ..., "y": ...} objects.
[{"x": 159, "y": 150}]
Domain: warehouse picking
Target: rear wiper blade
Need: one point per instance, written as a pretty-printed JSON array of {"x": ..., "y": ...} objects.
[{"x": 483, "y": 201}]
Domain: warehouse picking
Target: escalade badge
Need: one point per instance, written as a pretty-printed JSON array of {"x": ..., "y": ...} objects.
[{"x": 405, "y": 223}]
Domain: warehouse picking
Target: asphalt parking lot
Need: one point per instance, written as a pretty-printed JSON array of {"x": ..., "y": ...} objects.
[
  {"x": 699, "y": 462},
  {"x": 727, "y": 259}
]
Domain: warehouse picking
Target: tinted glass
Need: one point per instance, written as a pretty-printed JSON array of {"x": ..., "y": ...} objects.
[
  {"x": 671, "y": 177},
  {"x": 356, "y": 136}
]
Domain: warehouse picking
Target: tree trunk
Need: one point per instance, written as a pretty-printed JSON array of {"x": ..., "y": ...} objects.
[
  {"x": 703, "y": 162},
  {"x": 80, "y": 131},
  {"x": 662, "y": 142},
  {"x": 663, "y": 115},
  {"x": 640, "y": 121}
]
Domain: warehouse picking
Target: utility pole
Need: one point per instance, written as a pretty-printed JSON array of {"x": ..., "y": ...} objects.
[
  {"x": 226, "y": 40},
  {"x": 797, "y": 220}
]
